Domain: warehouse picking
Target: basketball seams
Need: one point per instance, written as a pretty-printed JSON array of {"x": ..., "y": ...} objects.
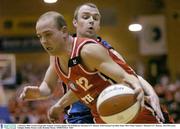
[
  {"x": 117, "y": 104},
  {"x": 126, "y": 101}
]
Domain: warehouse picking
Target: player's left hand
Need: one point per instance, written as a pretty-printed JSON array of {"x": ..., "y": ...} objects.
[
  {"x": 54, "y": 113},
  {"x": 153, "y": 100},
  {"x": 139, "y": 95}
]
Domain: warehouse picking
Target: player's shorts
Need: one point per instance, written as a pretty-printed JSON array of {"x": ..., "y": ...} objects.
[
  {"x": 79, "y": 118},
  {"x": 4, "y": 115}
]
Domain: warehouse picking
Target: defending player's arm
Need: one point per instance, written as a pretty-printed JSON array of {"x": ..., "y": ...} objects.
[
  {"x": 46, "y": 87},
  {"x": 148, "y": 90},
  {"x": 151, "y": 97}
]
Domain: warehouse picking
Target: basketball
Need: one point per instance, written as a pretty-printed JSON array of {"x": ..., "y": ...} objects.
[{"x": 117, "y": 104}]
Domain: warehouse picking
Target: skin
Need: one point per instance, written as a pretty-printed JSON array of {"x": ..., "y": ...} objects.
[
  {"x": 60, "y": 44},
  {"x": 90, "y": 17},
  {"x": 87, "y": 25},
  {"x": 103, "y": 62}
]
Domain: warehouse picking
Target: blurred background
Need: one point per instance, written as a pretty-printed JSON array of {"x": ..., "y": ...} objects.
[{"x": 153, "y": 52}]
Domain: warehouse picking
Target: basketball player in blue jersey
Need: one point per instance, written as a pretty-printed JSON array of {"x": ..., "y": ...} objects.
[{"x": 86, "y": 21}]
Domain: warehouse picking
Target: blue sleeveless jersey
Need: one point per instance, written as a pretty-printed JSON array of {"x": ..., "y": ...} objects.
[
  {"x": 106, "y": 44},
  {"x": 80, "y": 107},
  {"x": 78, "y": 113}
]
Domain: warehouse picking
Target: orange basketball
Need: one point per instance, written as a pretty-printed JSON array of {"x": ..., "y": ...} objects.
[{"x": 117, "y": 104}]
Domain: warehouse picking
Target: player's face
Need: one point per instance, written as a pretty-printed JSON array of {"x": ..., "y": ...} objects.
[
  {"x": 88, "y": 22},
  {"x": 50, "y": 36}
]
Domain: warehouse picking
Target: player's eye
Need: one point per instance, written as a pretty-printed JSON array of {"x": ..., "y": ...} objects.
[
  {"x": 48, "y": 34},
  {"x": 39, "y": 36},
  {"x": 96, "y": 17},
  {"x": 85, "y": 16}
]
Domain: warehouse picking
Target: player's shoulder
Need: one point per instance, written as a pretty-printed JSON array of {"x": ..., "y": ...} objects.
[
  {"x": 91, "y": 48},
  {"x": 94, "y": 53}
]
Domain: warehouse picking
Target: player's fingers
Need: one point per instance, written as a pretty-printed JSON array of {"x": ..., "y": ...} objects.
[
  {"x": 21, "y": 96},
  {"x": 139, "y": 96},
  {"x": 155, "y": 105},
  {"x": 48, "y": 115},
  {"x": 160, "y": 115},
  {"x": 50, "y": 118},
  {"x": 159, "y": 112},
  {"x": 52, "y": 121},
  {"x": 147, "y": 99}
]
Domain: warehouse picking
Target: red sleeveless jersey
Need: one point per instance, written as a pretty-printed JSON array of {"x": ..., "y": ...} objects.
[{"x": 85, "y": 84}]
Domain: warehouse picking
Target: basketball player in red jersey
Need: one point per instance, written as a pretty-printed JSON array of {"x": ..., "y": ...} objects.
[
  {"x": 81, "y": 21},
  {"x": 44, "y": 84},
  {"x": 84, "y": 65}
]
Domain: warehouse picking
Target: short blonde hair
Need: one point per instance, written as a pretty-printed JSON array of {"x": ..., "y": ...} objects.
[{"x": 87, "y": 4}]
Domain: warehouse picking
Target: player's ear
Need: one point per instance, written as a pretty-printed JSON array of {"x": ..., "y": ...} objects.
[
  {"x": 64, "y": 29},
  {"x": 75, "y": 23},
  {"x": 64, "y": 32}
]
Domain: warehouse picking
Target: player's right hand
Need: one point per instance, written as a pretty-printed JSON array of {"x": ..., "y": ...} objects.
[
  {"x": 153, "y": 100},
  {"x": 30, "y": 93}
]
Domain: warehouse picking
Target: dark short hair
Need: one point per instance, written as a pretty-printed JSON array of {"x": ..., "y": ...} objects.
[
  {"x": 58, "y": 18},
  {"x": 77, "y": 9}
]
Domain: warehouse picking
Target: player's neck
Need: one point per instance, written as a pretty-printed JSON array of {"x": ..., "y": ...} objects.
[
  {"x": 91, "y": 36},
  {"x": 67, "y": 50}
]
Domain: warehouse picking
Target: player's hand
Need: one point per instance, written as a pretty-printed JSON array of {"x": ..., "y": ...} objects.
[
  {"x": 139, "y": 95},
  {"x": 153, "y": 100},
  {"x": 30, "y": 93},
  {"x": 54, "y": 113}
]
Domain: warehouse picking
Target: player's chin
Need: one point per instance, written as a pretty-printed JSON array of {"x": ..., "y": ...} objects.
[{"x": 90, "y": 34}]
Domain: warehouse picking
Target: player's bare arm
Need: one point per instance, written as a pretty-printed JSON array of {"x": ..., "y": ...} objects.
[
  {"x": 94, "y": 56},
  {"x": 46, "y": 87}
]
